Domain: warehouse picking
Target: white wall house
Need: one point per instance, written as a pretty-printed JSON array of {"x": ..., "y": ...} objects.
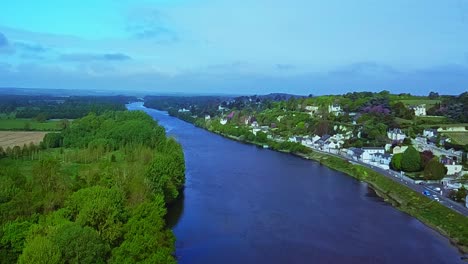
[
  {"x": 398, "y": 149},
  {"x": 335, "y": 109},
  {"x": 312, "y": 109},
  {"x": 453, "y": 169},
  {"x": 223, "y": 121},
  {"x": 207, "y": 117},
  {"x": 430, "y": 132},
  {"x": 419, "y": 110},
  {"x": 368, "y": 153},
  {"x": 183, "y": 110},
  {"x": 396, "y": 134}
]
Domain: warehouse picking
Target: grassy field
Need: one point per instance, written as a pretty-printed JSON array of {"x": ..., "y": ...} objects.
[
  {"x": 427, "y": 102},
  {"x": 458, "y": 137},
  {"x": 28, "y": 124},
  {"x": 17, "y": 138}
]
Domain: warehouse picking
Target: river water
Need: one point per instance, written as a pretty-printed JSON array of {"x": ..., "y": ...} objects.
[{"x": 244, "y": 204}]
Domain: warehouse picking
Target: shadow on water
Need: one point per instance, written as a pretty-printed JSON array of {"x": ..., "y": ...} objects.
[{"x": 175, "y": 210}]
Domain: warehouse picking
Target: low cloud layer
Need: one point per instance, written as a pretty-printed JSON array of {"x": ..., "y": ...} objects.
[{"x": 83, "y": 57}]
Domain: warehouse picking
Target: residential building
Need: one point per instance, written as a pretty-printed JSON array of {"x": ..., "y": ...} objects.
[
  {"x": 398, "y": 149},
  {"x": 419, "y": 110},
  {"x": 430, "y": 132},
  {"x": 396, "y": 134},
  {"x": 369, "y": 152},
  {"x": 335, "y": 109}
]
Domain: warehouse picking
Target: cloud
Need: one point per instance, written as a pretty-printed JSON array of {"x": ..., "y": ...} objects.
[
  {"x": 284, "y": 67},
  {"x": 30, "y": 47},
  {"x": 95, "y": 57},
  {"x": 150, "y": 24},
  {"x": 3, "y": 41}
]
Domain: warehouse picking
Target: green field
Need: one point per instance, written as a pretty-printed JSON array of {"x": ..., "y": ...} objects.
[
  {"x": 427, "y": 102},
  {"x": 458, "y": 137},
  {"x": 28, "y": 124}
]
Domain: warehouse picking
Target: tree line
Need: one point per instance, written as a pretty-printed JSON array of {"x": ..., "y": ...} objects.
[{"x": 96, "y": 193}]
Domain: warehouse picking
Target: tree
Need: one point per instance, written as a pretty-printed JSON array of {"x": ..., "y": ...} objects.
[
  {"x": 53, "y": 140},
  {"x": 458, "y": 195},
  {"x": 426, "y": 156},
  {"x": 79, "y": 244},
  {"x": 434, "y": 170},
  {"x": 411, "y": 160},
  {"x": 100, "y": 208},
  {"x": 41, "y": 117},
  {"x": 146, "y": 239},
  {"x": 40, "y": 250},
  {"x": 395, "y": 163}
]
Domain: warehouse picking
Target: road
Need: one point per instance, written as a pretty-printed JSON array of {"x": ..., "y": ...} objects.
[{"x": 395, "y": 176}]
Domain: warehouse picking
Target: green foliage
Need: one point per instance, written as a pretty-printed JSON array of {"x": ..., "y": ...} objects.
[
  {"x": 76, "y": 204},
  {"x": 146, "y": 239},
  {"x": 100, "y": 208},
  {"x": 411, "y": 160},
  {"x": 395, "y": 163},
  {"x": 79, "y": 244},
  {"x": 52, "y": 140},
  {"x": 434, "y": 170},
  {"x": 40, "y": 250}
]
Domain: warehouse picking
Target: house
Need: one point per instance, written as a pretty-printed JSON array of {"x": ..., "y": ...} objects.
[
  {"x": 335, "y": 109},
  {"x": 419, "y": 110},
  {"x": 420, "y": 139},
  {"x": 220, "y": 108},
  {"x": 255, "y": 131},
  {"x": 398, "y": 149},
  {"x": 183, "y": 110},
  {"x": 430, "y": 132},
  {"x": 396, "y": 134},
  {"x": 295, "y": 139},
  {"x": 223, "y": 121},
  {"x": 254, "y": 124},
  {"x": 312, "y": 109},
  {"x": 369, "y": 152},
  {"x": 355, "y": 153},
  {"x": 382, "y": 158},
  {"x": 207, "y": 117},
  {"x": 452, "y": 167},
  {"x": 330, "y": 146}
]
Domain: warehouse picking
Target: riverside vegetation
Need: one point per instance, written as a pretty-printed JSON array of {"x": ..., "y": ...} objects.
[{"x": 94, "y": 193}]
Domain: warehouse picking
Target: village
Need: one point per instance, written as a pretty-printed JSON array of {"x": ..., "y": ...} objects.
[{"x": 431, "y": 141}]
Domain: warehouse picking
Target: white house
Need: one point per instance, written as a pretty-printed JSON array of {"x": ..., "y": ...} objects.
[
  {"x": 368, "y": 153},
  {"x": 419, "y": 110},
  {"x": 335, "y": 109},
  {"x": 207, "y": 117},
  {"x": 223, "y": 121},
  {"x": 183, "y": 110},
  {"x": 396, "y": 134},
  {"x": 355, "y": 153},
  {"x": 312, "y": 109},
  {"x": 430, "y": 132}
]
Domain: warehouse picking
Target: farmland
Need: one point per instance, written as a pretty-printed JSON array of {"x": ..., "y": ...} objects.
[
  {"x": 458, "y": 137},
  {"x": 28, "y": 124},
  {"x": 19, "y": 138},
  {"x": 428, "y": 102}
]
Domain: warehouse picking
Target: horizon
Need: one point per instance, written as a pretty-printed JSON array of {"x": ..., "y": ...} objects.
[{"x": 219, "y": 47}]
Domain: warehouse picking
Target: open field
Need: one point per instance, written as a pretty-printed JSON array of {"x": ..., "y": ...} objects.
[
  {"x": 19, "y": 138},
  {"x": 458, "y": 137},
  {"x": 427, "y": 102},
  {"x": 28, "y": 124}
]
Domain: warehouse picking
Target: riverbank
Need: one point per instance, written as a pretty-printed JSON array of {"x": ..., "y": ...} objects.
[{"x": 448, "y": 223}]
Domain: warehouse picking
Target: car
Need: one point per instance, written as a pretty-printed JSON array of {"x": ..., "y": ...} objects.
[
  {"x": 426, "y": 193},
  {"x": 437, "y": 189}
]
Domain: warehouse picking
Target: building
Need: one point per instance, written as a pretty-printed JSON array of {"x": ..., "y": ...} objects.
[
  {"x": 368, "y": 153},
  {"x": 223, "y": 121},
  {"x": 452, "y": 167},
  {"x": 398, "y": 149},
  {"x": 207, "y": 117},
  {"x": 419, "y": 110},
  {"x": 183, "y": 110},
  {"x": 396, "y": 134},
  {"x": 312, "y": 109},
  {"x": 430, "y": 132},
  {"x": 335, "y": 109},
  {"x": 355, "y": 153}
]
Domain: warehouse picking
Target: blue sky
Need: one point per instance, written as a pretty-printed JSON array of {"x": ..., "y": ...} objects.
[{"x": 220, "y": 46}]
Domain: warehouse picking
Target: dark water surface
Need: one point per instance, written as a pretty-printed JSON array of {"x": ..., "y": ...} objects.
[{"x": 243, "y": 204}]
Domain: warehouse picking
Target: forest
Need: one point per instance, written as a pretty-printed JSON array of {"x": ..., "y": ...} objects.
[
  {"x": 53, "y": 107},
  {"x": 95, "y": 193}
]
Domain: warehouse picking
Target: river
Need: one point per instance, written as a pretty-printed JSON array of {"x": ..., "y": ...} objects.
[{"x": 244, "y": 204}]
